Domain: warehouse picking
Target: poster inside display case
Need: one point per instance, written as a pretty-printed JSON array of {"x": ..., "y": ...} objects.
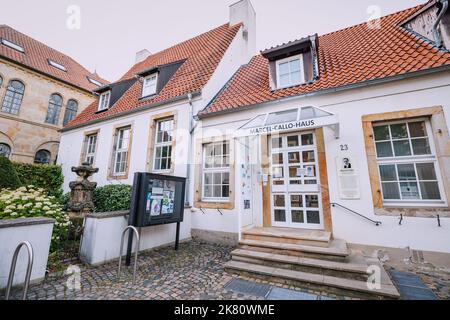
[{"x": 157, "y": 199}]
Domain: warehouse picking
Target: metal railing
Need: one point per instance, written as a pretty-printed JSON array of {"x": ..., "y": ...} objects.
[
  {"x": 13, "y": 269},
  {"x": 138, "y": 239},
  {"x": 377, "y": 223}
]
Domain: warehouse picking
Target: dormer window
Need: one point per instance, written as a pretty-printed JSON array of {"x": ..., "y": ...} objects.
[
  {"x": 290, "y": 71},
  {"x": 12, "y": 45},
  {"x": 149, "y": 86},
  {"x": 294, "y": 63},
  {"x": 103, "y": 103},
  {"x": 56, "y": 65}
]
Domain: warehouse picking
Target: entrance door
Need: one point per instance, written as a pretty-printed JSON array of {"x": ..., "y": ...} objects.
[{"x": 295, "y": 184}]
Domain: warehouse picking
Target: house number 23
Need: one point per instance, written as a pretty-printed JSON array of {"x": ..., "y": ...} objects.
[{"x": 344, "y": 147}]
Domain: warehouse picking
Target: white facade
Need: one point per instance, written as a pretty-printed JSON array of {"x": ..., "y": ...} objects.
[{"x": 350, "y": 106}]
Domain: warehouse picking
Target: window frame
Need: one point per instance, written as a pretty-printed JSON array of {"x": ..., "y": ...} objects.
[
  {"x": 103, "y": 103},
  {"x": 49, "y": 157},
  {"x": 115, "y": 152},
  {"x": 214, "y": 170},
  {"x": 149, "y": 94},
  {"x": 13, "y": 98},
  {"x": 57, "y": 65},
  {"x": 57, "y": 113},
  {"x": 288, "y": 60},
  {"x": 65, "y": 120},
  {"x": 162, "y": 145},
  {"x": 9, "y": 147},
  {"x": 87, "y": 152},
  {"x": 410, "y": 159}
]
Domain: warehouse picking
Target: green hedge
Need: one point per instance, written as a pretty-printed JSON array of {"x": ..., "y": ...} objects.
[
  {"x": 8, "y": 176},
  {"x": 48, "y": 177},
  {"x": 112, "y": 198}
]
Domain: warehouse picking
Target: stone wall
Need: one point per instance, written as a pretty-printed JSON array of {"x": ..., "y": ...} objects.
[{"x": 27, "y": 132}]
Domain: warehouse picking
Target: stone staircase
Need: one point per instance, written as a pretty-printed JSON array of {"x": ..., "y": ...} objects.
[{"x": 307, "y": 259}]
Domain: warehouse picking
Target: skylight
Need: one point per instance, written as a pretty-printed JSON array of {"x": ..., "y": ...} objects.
[
  {"x": 57, "y": 65},
  {"x": 12, "y": 45},
  {"x": 97, "y": 83}
]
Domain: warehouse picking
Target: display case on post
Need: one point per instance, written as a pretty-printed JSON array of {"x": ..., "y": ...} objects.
[{"x": 156, "y": 200}]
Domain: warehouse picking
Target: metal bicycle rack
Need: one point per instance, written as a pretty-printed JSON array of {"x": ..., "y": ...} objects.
[
  {"x": 136, "y": 233},
  {"x": 13, "y": 269}
]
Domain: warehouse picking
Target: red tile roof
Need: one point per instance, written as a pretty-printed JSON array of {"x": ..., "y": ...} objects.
[
  {"x": 37, "y": 55},
  {"x": 202, "y": 54},
  {"x": 349, "y": 56}
]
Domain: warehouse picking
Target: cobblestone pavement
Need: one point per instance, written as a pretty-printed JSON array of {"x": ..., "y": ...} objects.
[{"x": 195, "y": 272}]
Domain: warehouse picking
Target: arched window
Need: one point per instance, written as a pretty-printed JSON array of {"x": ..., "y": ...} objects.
[
  {"x": 42, "y": 157},
  {"x": 1, "y": 81},
  {"x": 13, "y": 97},
  {"x": 54, "y": 109},
  {"x": 71, "y": 111},
  {"x": 5, "y": 150}
]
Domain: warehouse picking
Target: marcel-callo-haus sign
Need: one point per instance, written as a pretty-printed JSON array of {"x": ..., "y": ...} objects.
[{"x": 300, "y": 125}]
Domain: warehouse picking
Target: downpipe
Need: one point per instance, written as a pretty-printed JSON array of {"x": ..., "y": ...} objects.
[{"x": 436, "y": 33}]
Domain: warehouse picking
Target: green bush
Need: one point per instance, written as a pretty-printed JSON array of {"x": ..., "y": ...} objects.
[
  {"x": 8, "y": 175},
  {"x": 28, "y": 202},
  {"x": 48, "y": 177},
  {"x": 112, "y": 198}
]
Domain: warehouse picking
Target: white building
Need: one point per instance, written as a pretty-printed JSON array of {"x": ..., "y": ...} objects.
[{"x": 346, "y": 133}]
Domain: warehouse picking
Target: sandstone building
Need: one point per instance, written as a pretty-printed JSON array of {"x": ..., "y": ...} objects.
[{"x": 41, "y": 90}]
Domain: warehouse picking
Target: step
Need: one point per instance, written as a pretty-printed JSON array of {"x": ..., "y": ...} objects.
[
  {"x": 355, "y": 268},
  {"x": 337, "y": 250},
  {"x": 336, "y": 285},
  {"x": 289, "y": 235}
]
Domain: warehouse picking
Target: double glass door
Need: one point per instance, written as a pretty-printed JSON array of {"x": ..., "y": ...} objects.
[{"x": 295, "y": 181}]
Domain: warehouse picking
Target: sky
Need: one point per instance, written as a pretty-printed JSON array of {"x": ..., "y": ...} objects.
[{"x": 104, "y": 35}]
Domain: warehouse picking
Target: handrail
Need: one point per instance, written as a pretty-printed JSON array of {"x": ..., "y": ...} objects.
[
  {"x": 138, "y": 239},
  {"x": 13, "y": 269},
  {"x": 377, "y": 223}
]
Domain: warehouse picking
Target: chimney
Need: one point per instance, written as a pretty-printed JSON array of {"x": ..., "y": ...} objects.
[
  {"x": 244, "y": 12},
  {"x": 142, "y": 55}
]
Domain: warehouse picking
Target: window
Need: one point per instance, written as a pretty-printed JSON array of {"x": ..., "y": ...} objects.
[
  {"x": 104, "y": 101},
  {"x": 5, "y": 150},
  {"x": 407, "y": 162},
  {"x": 121, "y": 149},
  {"x": 71, "y": 111},
  {"x": 42, "y": 157},
  {"x": 149, "y": 86},
  {"x": 54, "y": 109},
  {"x": 290, "y": 71},
  {"x": 90, "y": 147},
  {"x": 216, "y": 171},
  {"x": 93, "y": 81},
  {"x": 13, "y": 97},
  {"x": 163, "y": 145},
  {"x": 1, "y": 81},
  {"x": 56, "y": 65},
  {"x": 12, "y": 45}
]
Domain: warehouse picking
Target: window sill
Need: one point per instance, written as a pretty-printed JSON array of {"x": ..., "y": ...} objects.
[
  {"x": 214, "y": 205},
  {"x": 101, "y": 111},
  {"x": 416, "y": 212}
]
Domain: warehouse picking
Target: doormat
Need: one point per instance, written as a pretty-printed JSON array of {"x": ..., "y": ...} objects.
[
  {"x": 411, "y": 287},
  {"x": 250, "y": 288}
]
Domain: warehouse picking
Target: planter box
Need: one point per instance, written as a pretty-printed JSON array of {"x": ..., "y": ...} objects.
[
  {"x": 101, "y": 239},
  {"x": 37, "y": 231}
]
